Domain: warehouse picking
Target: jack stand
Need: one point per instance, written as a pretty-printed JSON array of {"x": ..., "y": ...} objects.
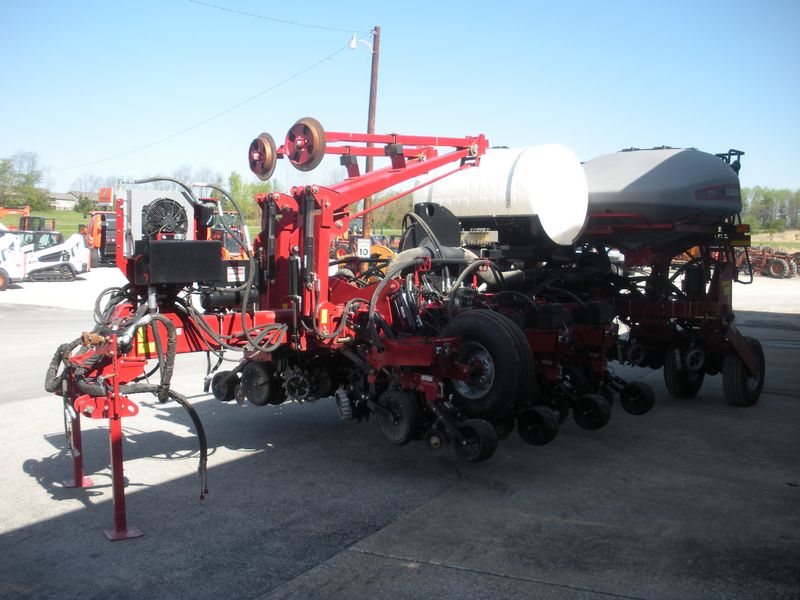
[{"x": 121, "y": 530}]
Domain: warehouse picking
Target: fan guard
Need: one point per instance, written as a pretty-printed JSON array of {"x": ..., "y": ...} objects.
[{"x": 164, "y": 218}]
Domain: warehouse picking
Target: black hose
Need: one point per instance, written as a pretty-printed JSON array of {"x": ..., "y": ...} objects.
[
  {"x": 171, "y": 180},
  {"x": 202, "y": 467},
  {"x": 53, "y": 380}
]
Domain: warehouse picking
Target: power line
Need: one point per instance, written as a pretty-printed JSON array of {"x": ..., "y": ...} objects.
[
  {"x": 208, "y": 120},
  {"x": 284, "y": 21}
]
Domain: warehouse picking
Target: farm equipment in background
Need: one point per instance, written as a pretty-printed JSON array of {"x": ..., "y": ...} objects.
[
  {"x": 23, "y": 211},
  {"x": 655, "y": 205},
  {"x": 101, "y": 235},
  {"x": 765, "y": 261}
]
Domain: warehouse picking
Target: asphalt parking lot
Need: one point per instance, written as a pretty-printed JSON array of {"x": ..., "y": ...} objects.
[{"x": 697, "y": 499}]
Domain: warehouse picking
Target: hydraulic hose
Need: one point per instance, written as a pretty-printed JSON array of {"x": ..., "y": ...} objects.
[
  {"x": 53, "y": 380},
  {"x": 202, "y": 468}
]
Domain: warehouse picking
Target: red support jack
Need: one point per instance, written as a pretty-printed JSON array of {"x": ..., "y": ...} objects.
[{"x": 121, "y": 530}]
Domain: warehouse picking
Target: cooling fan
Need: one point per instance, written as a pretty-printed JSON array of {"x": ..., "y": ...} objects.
[
  {"x": 164, "y": 218},
  {"x": 157, "y": 215}
]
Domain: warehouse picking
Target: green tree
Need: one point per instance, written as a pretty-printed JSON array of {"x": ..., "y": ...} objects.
[{"x": 20, "y": 175}]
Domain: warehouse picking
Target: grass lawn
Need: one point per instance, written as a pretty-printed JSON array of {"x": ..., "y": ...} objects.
[{"x": 67, "y": 221}]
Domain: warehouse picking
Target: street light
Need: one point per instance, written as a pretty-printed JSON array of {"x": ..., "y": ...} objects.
[{"x": 373, "y": 95}]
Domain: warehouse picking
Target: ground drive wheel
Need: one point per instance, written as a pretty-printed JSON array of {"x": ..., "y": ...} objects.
[
  {"x": 740, "y": 387},
  {"x": 479, "y": 443},
  {"x": 4, "y": 280},
  {"x": 489, "y": 348},
  {"x": 680, "y": 381}
]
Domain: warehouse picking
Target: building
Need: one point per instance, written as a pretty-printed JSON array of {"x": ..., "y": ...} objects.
[{"x": 62, "y": 201}]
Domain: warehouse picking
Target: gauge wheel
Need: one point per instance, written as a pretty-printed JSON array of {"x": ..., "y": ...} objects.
[
  {"x": 401, "y": 417},
  {"x": 538, "y": 425},
  {"x": 637, "y": 398},
  {"x": 223, "y": 386},
  {"x": 479, "y": 443},
  {"x": 680, "y": 381},
  {"x": 591, "y": 412}
]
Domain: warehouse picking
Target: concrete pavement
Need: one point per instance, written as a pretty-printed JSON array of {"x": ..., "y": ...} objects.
[{"x": 694, "y": 500}]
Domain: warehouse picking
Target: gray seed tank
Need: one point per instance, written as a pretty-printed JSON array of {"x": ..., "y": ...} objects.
[{"x": 634, "y": 191}]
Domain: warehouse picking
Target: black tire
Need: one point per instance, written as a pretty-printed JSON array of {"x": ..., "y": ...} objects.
[
  {"x": 681, "y": 382},
  {"x": 538, "y": 426},
  {"x": 505, "y": 427},
  {"x": 223, "y": 386},
  {"x": 792, "y": 267},
  {"x": 637, "y": 398},
  {"x": 480, "y": 441},
  {"x": 741, "y": 389},
  {"x": 490, "y": 346},
  {"x": 4, "y": 280},
  {"x": 402, "y": 419},
  {"x": 576, "y": 377},
  {"x": 529, "y": 392},
  {"x": 778, "y": 268},
  {"x": 607, "y": 393},
  {"x": 591, "y": 412},
  {"x": 94, "y": 258}
]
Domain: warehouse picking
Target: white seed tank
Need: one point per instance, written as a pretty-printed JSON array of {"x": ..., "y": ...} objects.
[
  {"x": 663, "y": 185},
  {"x": 546, "y": 182}
]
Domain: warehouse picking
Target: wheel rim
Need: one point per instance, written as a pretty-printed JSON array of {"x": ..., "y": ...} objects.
[{"x": 481, "y": 371}]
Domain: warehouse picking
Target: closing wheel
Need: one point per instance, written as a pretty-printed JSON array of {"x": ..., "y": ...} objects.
[
  {"x": 495, "y": 367},
  {"x": 591, "y": 411},
  {"x": 637, "y": 398},
  {"x": 4, "y": 280},
  {"x": 538, "y": 425},
  {"x": 223, "y": 385},
  {"x": 680, "y": 381},
  {"x": 740, "y": 387},
  {"x": 479, "y": 443},
  {"x": 401, "y": 417},
  {"x": 305, "y": 144},
  {"x": 262, "y": 156}
]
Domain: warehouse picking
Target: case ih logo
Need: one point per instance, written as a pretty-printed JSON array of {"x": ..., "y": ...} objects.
[{"x": 727, "y": 193}]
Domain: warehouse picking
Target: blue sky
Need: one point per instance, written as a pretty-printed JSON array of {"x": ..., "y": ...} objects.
[{"x": 85, "y": 80}]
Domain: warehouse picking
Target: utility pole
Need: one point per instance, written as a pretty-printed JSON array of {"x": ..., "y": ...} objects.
[{"x": 373, "y": 97}]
